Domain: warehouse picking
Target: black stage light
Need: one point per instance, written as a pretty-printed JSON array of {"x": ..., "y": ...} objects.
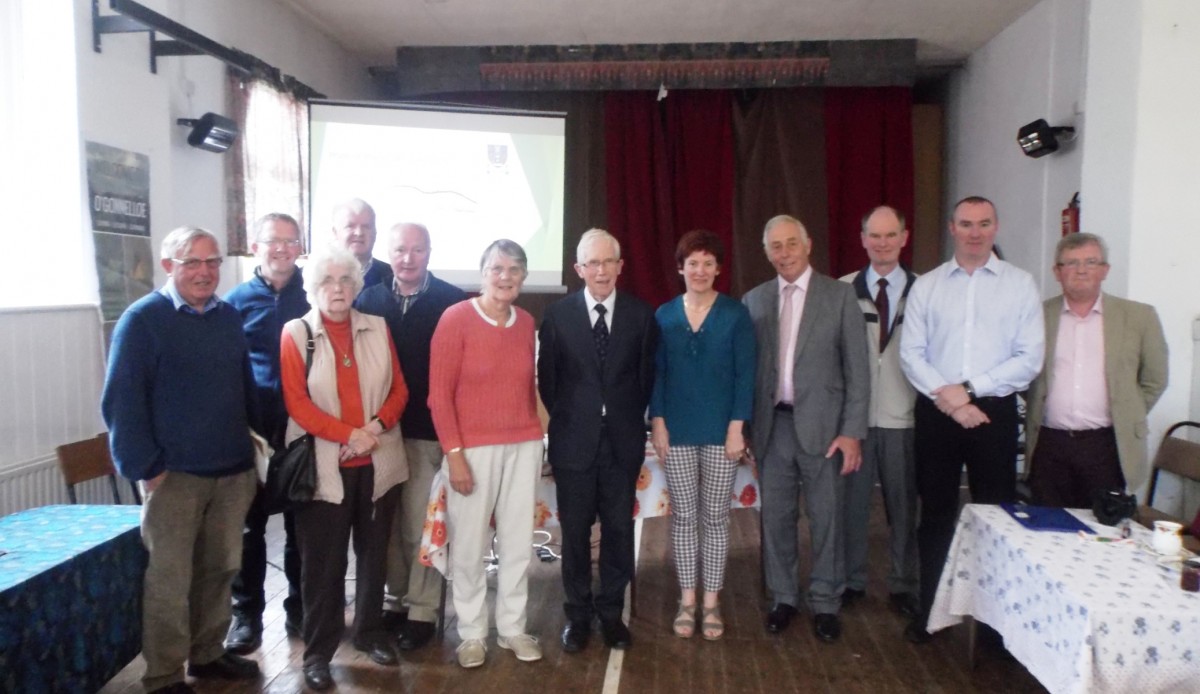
[
  {"x": 210, "y": 132},
  {"x": 1039, "y": 138}
]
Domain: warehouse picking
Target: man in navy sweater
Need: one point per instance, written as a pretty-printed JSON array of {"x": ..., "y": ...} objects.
[
  {"x": 265, "y": 302},
  {"x": 412, "y": 305},
  {"x": 179, "y": 403}
]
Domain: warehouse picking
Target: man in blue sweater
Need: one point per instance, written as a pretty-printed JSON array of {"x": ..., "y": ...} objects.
[
  {"x": 412, "y": 304},
  {"x": 179, "y": 403},
  {"x": 265, "y": 302}
]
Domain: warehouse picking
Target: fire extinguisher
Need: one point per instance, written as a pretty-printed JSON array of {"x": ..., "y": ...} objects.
[{"x": 1070, "y": 216}]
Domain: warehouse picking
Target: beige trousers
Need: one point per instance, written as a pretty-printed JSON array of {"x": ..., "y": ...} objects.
[
  {"x": 505, "y": 483},
  {"x": 412, "y": 586}
]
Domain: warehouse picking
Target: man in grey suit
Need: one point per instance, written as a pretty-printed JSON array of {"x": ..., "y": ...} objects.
[
  {"x": 810, "y": 412},
  {"x": 1106, "y": 366}
]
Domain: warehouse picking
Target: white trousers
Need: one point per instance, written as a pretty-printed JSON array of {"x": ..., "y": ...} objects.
[{"x": 505, "y": 485}]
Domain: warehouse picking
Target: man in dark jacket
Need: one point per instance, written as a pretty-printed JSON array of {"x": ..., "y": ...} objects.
[{"x": 412, "y": 303}]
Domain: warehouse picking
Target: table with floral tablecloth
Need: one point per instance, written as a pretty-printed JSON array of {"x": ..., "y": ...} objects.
[
  {"x": 70, "y": 596},
  {"x": 651, "y": 501},
  {"x": 1080, "y": 614}
]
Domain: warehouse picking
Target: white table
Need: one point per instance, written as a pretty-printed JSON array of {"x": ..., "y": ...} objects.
[{"x": 1082, "y": 616}]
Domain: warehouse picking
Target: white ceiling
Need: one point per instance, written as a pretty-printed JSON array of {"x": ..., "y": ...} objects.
[{"x": 947, "y": 30}]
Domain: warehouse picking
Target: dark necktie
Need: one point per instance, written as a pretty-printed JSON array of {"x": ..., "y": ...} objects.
[
  {"x": 883, "y": 307},
  {"x": 600, "y": 333}
]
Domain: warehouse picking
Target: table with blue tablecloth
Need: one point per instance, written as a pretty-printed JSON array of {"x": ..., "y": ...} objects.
[{"x": 70, "y": 596}]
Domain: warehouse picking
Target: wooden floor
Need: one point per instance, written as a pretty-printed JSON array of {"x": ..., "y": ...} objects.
[{"x": 871, "y": 656}]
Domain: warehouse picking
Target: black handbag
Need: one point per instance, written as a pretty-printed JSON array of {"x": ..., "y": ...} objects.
[
  {"x": 292, "y": 471},
  {"x": 1112, "y": 507}
]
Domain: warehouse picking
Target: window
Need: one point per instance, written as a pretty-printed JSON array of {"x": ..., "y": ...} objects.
[{"x": 44, "y": 228}]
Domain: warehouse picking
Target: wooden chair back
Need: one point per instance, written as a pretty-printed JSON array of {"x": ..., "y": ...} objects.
[
  {"x": 87, "y": 460},
  {"x": 1175, "y": 455}
]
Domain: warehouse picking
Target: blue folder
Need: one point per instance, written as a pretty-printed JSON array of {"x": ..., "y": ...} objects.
[{"x": 1045, "y": 518}]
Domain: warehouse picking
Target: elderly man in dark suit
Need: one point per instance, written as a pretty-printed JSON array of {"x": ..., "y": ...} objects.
[
  {"x": 810, "y": 414},
  {"x": 595, "y": 373}
]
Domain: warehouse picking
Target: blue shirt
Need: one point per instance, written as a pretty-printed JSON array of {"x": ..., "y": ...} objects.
[
  {"x": 704, "y": 379},
  {"x": 170, "y": 291},
  {"x": 985, "y": 327}
]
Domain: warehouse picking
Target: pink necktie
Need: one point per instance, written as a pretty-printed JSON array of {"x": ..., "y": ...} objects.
[{"x": 786, "y": 329}]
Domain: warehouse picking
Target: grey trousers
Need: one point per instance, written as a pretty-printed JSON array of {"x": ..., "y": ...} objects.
[
  {"x": 785, "y": 470},
  {"x": 887, "y": 456},
  {"x": 411, "y": 585},
  {"x": 192, "y": 529}
]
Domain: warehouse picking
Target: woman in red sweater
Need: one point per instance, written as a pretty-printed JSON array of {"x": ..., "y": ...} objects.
[
  {"x": 481, "y": 395},
  {"x": 351, "y": 403}
]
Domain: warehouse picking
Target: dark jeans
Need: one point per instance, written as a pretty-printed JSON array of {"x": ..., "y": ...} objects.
[
  {"x": 606, "y": 489},
  {"x": 942, "y": 447},
  {"x": 324, "y": 531},
  {"x": 248, "y": 598}
]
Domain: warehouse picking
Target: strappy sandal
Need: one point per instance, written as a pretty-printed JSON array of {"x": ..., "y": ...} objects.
[
  {"x": 684, "y": 625},
  {"x": 712, "y": 627}
]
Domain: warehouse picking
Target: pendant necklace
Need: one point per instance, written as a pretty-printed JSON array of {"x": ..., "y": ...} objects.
[{"x": 346, "y": 360}]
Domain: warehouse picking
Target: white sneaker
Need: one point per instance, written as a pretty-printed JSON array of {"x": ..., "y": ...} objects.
[
  {"x": 524, "y": 646},
  {"x": 471, "y": 653}
]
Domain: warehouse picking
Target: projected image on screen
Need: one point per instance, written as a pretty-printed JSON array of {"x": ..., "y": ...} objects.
[{"x": 470, "y": 177}]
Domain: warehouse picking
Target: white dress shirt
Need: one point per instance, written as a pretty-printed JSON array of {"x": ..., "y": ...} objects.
[
  {"x": 609, "y": 303},
  {"x": 985, "y": 327}
]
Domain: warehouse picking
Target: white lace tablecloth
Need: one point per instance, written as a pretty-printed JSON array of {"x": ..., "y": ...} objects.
[{"x": 1081, "y": 615}]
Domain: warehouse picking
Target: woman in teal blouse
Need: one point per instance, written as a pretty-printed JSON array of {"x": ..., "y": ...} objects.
[{"x": 703, "y": 395}]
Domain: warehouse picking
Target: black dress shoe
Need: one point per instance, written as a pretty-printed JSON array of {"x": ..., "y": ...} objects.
[
  {"x": 415, "y": 634},
  {"x": 227, "y": 667},
  {"x": 906, "y": 604},
  {"x": 245, "y": 636},
  {"x": 827, "y": 627},
  {"x": 780, "y": 617},
  {"x": 317, "y": 676},
  {"x": 378, "y": 650},
  {"x": 915, "y": 632},
  {"x": 852, "y": 595},
  {"x": 575, "y": 636},
  {"x": 393, "y": 622},
  {"x": 616, "y": 634}
]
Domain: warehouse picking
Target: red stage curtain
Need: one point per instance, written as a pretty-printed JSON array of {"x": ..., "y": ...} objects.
[
  {"x": 869, "y": 162},
  {"x": 670, "y": 169}
]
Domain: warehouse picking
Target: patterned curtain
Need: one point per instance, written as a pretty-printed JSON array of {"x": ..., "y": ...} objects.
[{"x": 267, "y": 167}]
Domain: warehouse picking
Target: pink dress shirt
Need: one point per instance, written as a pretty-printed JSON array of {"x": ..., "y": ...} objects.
[
  {"x": 1078, "y": 397},
  {"x": 786, "y": 388}
]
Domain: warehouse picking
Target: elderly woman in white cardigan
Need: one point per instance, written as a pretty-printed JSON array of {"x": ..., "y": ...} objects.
[{"x": 351, "y": 403}]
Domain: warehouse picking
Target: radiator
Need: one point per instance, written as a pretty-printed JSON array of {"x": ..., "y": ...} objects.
[{"x": 39, "y": 483}]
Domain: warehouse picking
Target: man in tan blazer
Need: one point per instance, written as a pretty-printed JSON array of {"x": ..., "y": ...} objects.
[{"x": 1106, "y": 366}]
